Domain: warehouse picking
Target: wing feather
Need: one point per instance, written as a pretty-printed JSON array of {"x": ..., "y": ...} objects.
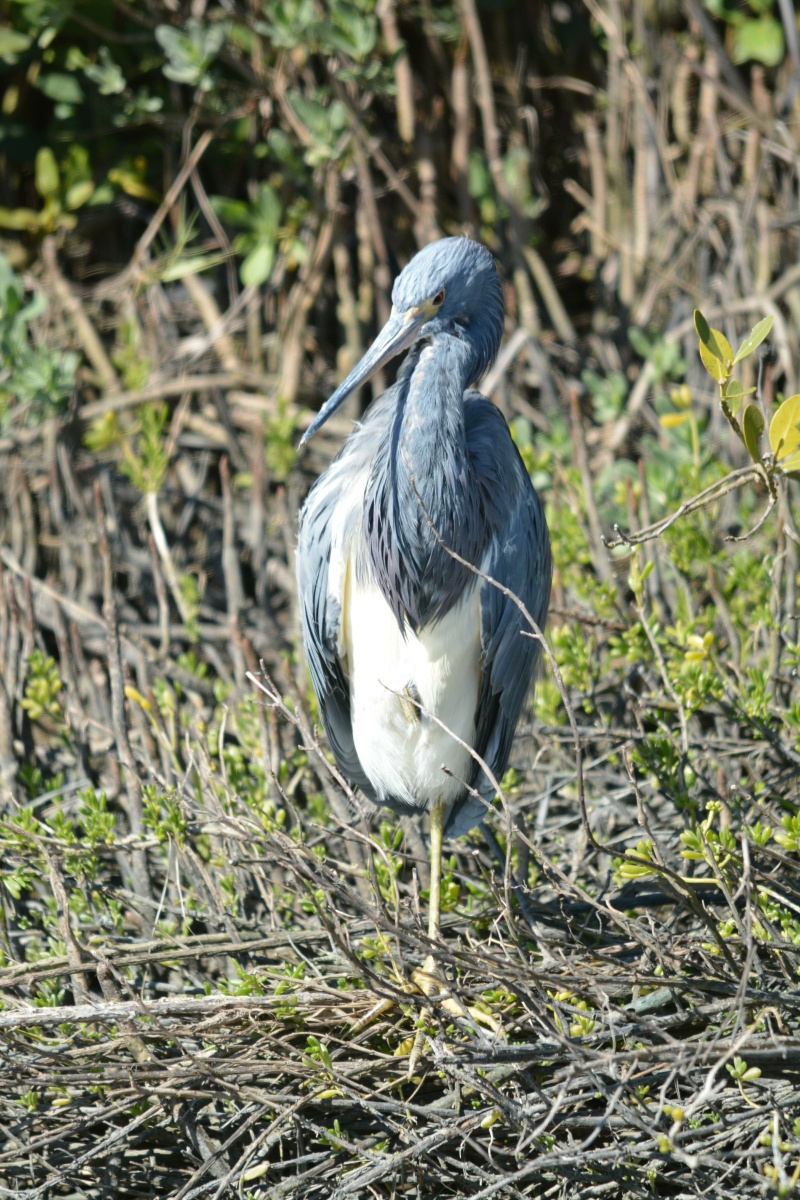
[{"x": 518, "y": 559}]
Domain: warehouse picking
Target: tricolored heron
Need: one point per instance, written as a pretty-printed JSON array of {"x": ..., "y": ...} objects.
[{"x": 408, "y": 646}]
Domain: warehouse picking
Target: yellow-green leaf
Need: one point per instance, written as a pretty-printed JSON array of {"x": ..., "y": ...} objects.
[
  {"x": 754, "y": 338},
  {"x": 20, "y": 218},
  {"x": 713, "y": 364},
  {"x": 714, "y": 340},
  {"x": 734, "y": 395},
  {"x": 791, "y": 463},
  {"x": 672, "y": 420},
  {"x": 752, "y": 426},
  {"x": 46, "y": 175},
  {"x": 701, "y": 325},
  {"x": 784, "y": 434},
  {"x": 78, "y": 193}
]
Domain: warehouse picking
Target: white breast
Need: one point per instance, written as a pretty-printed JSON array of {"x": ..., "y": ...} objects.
[{"x": 401, "y": 748}]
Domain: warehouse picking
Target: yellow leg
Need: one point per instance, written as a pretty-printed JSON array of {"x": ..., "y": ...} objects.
[
  {"x": 428, "y": 975},
  {"x": 434, "y": 911},
  {"x": 428, "y": 979}
]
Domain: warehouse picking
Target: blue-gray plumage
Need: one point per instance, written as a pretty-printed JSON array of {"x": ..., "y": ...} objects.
[{"x": 406, "y": 645}]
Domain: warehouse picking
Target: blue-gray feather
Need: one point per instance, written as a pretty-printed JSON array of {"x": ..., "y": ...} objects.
[{"x": 432, "y": 469}]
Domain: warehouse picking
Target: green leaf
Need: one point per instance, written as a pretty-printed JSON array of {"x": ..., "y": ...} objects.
[
  {"x": 701, "y": 325},
  {"x": 760, "y": 40},
  {"x": 64, "y": 89},
  {"x": 46, "y": 176},
  {"x": 784, "y": 431},
  {"x": 234, "y": 212},
  {"x": 256, "y": 267},
  {"x": 734, "y": 395},
  {"x": 713, "y": 364},
  {"x": 12, "y": 42},
  {"x": 640, "y": 342},
  {"x": 715, "y": 349},
  {"x": 20, "y": 218},
  {"x": 190, "y": 266},
  {"x": 106, "y": 74},
  {"x": 752, "y": 426},
  {"x": 79, "y": 193},
  {"x": 754, "y": 338},
  {"x": 791, "y": 462}
]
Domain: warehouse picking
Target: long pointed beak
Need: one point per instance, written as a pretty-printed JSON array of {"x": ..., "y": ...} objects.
[{"x": 396, "y": 335}]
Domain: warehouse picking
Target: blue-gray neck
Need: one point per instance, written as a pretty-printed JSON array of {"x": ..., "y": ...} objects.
[{"x": 421, "y": 486}]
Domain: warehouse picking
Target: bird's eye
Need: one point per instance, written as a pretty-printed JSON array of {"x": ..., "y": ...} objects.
[{"x": 438, "y": 298}]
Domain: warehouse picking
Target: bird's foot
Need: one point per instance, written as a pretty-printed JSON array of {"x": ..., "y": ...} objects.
[{"x": 430, "y": 982}]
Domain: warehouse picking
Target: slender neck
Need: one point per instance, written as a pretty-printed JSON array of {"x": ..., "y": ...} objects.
[
  {"x": 432, "y": 442},
  {"x": 418, "y": 501}
]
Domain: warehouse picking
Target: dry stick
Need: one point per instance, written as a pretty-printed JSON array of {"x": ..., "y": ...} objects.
[
  {"x": 347, "y": 314},
  {"x": 599, "y": 194},
  {"x": 265, "y": 685},
  {"x": 214, "y": 322},
  {"x": 491, "y": 137},
  {"x": 485, "y": 96},
  {"x": 81, "y": 616},
  {"x": 612, "y": 30},
  {"x": 12, "y": 663},
  {"x": 220, "y": 234},
  {"x": 371, "y": 146},
  {"x": 161, "y": 597},
  {"x": 234, "y": 587},
  {"x": 549, "y": 293},
  {"x": 600, "y": 555},
  {"x": 378, "y": 283},
  {"x": 84, "y": 329},
  {"x": 8, "y": 759},
  {"x": 305, "y": 291},
  {"x": 74, "y": 954},
  {"x": 165, "y": 554},
  {"x": 133, "y": 787},
  {"x": 735, "y": 93},
  {"x": 110, "y": 287},
  {"x": 75, "y": 712},
  {"x": 426, "y": 228},
  {"x": 461, "y": 104},
  {"x": 177, "y": 1006},
  {"x": 714, "y": 491},
  {"x": 775, "y": 636},
  {"x": 177, "y": 387},
  {"x": 403, "y": 78}
]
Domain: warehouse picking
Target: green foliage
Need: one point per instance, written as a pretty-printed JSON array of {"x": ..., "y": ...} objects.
[
  {"x": 609, "y": 394},
  {"x": 43, "y": 688},
  {"x": 62, "y": 190},
  {"x": 96, "y": 822},
  {"x": 757, "y": 35},
  {"x": 134, "y": 368},
  {"x": 190, "y": 51},
  {"x": 740, "y": 1072},
  {"x": 163, "y": 813},
  {"x": 280, "y": 437},
  {"x": 35, "y": 381},
  {"x": 262, "y": 223},
  {"x": 719, "y": 360},
  {"x": 145, "y": 458}
]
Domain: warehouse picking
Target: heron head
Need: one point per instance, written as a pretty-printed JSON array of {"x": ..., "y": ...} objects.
[{"x": 451, "y": 286}]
